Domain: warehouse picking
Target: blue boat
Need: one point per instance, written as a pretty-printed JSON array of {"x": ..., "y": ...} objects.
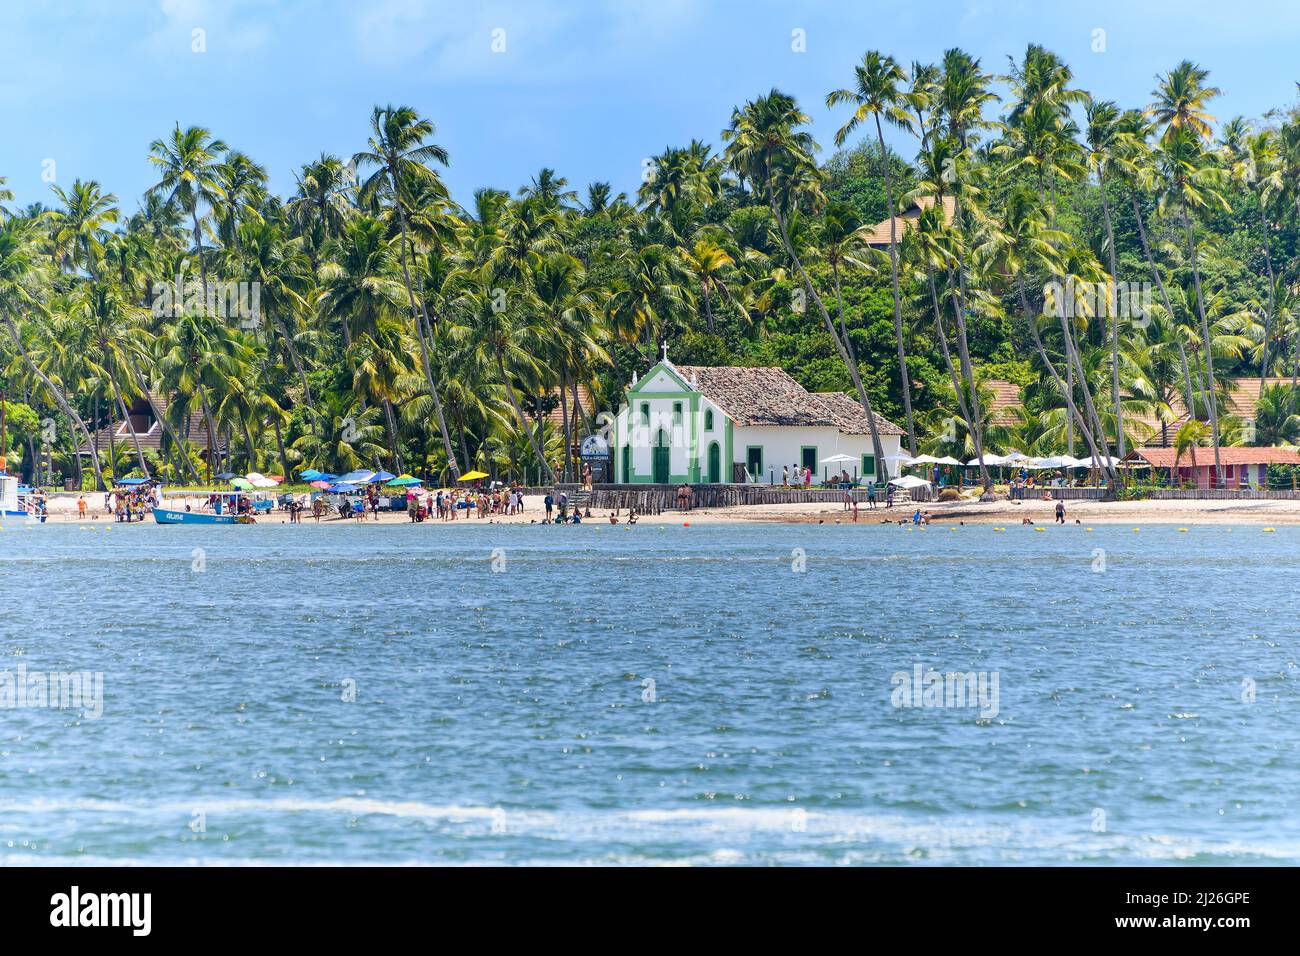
[
  {"x": 225, "y": 512},
  {"x": 171, "y": 516}
]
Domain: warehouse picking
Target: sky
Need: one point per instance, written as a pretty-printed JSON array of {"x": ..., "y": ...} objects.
[{"x": 590, "y": 88}]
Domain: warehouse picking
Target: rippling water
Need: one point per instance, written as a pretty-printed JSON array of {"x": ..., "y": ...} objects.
[{"x": 651, "y": 695}]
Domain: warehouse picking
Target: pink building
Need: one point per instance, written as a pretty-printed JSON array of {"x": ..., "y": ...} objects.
[{"x": 1242, "y": 467}]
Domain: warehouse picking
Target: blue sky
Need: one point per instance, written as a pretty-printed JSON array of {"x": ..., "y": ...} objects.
[{"x": 588, "y": 87}]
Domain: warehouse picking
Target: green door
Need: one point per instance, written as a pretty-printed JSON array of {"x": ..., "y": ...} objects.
[
  {"x": 808, "y": 458},
  {"x": 715, "y": 464},
  {"x": 661, "y": 449}
]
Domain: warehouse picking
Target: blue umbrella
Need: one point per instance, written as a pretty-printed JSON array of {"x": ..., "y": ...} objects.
[
  {"x": 344, "y": 487},
  {"x": 381, "y": 476},
  {"x": 325, "y": 476},
  {"x": 131, "y": 481},
  {"x": 311, "y": 474}
]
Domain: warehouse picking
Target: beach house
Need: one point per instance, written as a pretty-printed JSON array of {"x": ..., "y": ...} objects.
[
  {"x": 713, "y": 424},
  {"x": 1243, "y": 466}
]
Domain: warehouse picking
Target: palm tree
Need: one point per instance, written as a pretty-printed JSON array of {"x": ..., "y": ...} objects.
[
  {"x": 400, "y": 153},
  {"x": 876, "y": 95},
  {"x": 190, "y": 176},
  {"x": 22, "y": 285},
  {"x": 1181, "y": 98},
  {"x": 1276, "y": 419}
]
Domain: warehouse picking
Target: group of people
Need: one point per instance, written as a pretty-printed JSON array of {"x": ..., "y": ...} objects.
[
  {"x": 135, "y": 504},
  {"x": 802, "y": 476}
]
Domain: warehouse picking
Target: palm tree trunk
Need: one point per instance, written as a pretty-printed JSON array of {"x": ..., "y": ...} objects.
[
  {"x": 1164, "y": 296},
  {"x": 898, "y": 299},
  {"x": 1113, "y": 301},
  {"x": 882, "y": 467},
  {"x": 420, "y": 330},
  {"x": 947, "y": 355},
  {"x": 1272, "y": 298},
  {"x": 968, "y": 376},
  {"x": 523, "y": 420},
  {"x": 1209, "y": 349},
  {"x": 568, "y": 432},
  {"x": 126, "y": 417},
  {"x": 59, "y": 397}
]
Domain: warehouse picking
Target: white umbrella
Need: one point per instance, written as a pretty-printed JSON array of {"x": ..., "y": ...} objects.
[
  {"x": 988, "y": 460},
  {"x": 260, "y": 481},
  {"x": 925, "y": 459},
  {"x": 900, "y": 459},
  {"x": 837, "y": 459},
  {"x": 909, "y": 481},
  {"x": 947, "y": 460}
]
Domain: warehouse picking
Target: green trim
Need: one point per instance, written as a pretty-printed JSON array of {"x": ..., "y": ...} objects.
[
  {"x": 872, "y": 472},
  {"x": 758, "y": 477},
  {"x": 729, "y": 459},
  {"x": 804, "y": 464},
  {"x": 658, "y": 367},
  {"x": 714, "y": 451}
]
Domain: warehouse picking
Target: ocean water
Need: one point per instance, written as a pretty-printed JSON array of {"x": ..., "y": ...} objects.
[{"x": 361, "y": 694}]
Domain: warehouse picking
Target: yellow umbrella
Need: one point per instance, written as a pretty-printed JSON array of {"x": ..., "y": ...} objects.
[{"x": 472, "y": 476}]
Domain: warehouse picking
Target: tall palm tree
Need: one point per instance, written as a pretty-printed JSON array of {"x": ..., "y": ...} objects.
[
  {"x": 401, "y": 155},
  {"x": 189, "y": 176},
  {"x": 876, "y": 96}
]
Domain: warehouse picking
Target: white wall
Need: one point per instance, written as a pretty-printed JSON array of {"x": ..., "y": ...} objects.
[{"x": 782, "y": 445}]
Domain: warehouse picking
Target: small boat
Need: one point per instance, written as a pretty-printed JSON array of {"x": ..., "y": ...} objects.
[
  {"x": 225, "y": 511},
  {"x": 18, "y": 501}
]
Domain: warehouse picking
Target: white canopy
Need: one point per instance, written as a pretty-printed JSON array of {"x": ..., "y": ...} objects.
[
  {"x": 900, "y": 459},
  {"x": 838, "y": 459},
  {"x": 925, "y": 459},
  {"x": 947, "y": 460},
  {"x": 988, "y": 460},
  {"x": 909, "y": 481}
]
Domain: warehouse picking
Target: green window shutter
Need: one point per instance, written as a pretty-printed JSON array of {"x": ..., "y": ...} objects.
[{"x": 868, "y": 466}]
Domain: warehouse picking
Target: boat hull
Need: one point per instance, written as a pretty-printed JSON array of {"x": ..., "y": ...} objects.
[{"x": 168, "y": 516}]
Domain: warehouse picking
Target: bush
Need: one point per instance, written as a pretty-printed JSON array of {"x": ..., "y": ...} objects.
[{"x": 950, "y": 494}]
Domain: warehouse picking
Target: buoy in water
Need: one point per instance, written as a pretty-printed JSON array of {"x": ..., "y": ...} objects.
[{"x": 1270, "y": 529}]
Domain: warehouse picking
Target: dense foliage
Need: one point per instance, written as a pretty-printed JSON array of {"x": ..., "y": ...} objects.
[{"x": 384, "y": 325}]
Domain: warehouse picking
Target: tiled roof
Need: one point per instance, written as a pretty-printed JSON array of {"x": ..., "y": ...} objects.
[
  {"x": 1236, "y": 455},
  {"x": 769, "y": 396},
  {"x": 1006, "y": 396},
  {"x": 1242, "y": 398},
  {"x": 878, "y": 235}
]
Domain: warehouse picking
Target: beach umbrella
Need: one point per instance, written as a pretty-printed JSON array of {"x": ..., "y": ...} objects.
[
  {"x": 242, "y": 484},
  {"x": 360, "y": 476},
  {"x": 900, "y": 459},
  {"x": 258, "y": 480},
  {"x": 311, "y": 474},
  {"x": 988, "y": 460},
  {"x": 838, "y": 459},
  {"x": 947, "y": 460},
  {"x": 381, "y": 476},
  {"x": 472, "y": 476},
  {"x": 343, "y": 487},
  {"x": 404, "y": 481},
  {"x": 909, "y": 481},
  {"x": 319, "y": 483},
  {"x": 226, "y": 476}
]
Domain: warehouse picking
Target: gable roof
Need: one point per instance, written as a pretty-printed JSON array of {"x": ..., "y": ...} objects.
[
  {"x": 769, "y": 396},
  {"x": 878, "y": 235}
]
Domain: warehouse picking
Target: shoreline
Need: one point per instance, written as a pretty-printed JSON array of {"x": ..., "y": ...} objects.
[{"x": 1263, "y": 512}]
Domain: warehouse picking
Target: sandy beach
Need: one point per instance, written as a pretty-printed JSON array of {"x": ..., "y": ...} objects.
[{"x": 63, "y": 509}]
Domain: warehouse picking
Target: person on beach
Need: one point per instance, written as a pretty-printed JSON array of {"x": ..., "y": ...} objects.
[
  {"x": 855, "y": 512},
  {"x": 785, "y": 477},
  {"x": 889, "y": 496},
  {"x": 1060, "y": 511},
  {"x": 549, "y": 501},
  {"x": 807, "y": 477},
  {"x": 871, "y": 495},
  {"x": 81, "y": 507}
]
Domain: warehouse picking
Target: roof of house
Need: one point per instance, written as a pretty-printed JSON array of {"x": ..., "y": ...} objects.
[
  {"x": 1006, "y": 398},
  {"x": 769, "y": 396},
  {"x": 1235, "y": 455},
  {"x": 1243, "y": 395},
  {"x": 878, "y": 235},
  {"x": 152, "y": 438}
]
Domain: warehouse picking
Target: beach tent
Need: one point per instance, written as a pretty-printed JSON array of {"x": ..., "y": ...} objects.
[
  {"x": 130, "y": 482},
  {"x": 472, "y": 476},
  {"x": 320, "y": 483},
  {"x": 342, "y": 487},
  {"x": 988, "y": 460},
  {"x": 909, "y": 482},
  {"x": 361, "y": 476},
  {"x": 899, "y": 459},
  {"x": 947, "y": 460},
  {"x": 258, "y": 480},
  {"x": 241, "y": 484}
]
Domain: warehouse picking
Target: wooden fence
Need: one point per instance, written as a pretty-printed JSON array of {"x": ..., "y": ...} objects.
[
  {"x": 653, "y": 499},
  {"x": 1223, "y": 494}
]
